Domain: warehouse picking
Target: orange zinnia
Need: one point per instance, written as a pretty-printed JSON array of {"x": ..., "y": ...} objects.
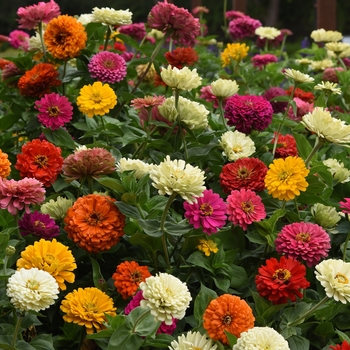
[
  {"x": 227, "y": 313},
  {"x": 128, "y": 277},
  {"x": 5, "y": 165},
  {"x": 95, "y": 223},
  {"x": 38, "y": 81},
  {"x": 65, "y": 37}
]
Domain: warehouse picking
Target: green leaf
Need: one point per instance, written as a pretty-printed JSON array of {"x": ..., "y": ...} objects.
[
  {"x": 221, "y": 282},
  {"x": 204, "y": 297},
  {"x": 232, "y": 339},
  {"x": 111, "y": 183},
  {"x": 128, "y": 210},
  {"x": 22, "y": 345},
  {"x": 342, "y": 336},
  {"x": 239, "y": 276},
  {"x": 152, "y": 244},
  {"x": 296, "y": 342},
  {"x": 40, "y": 344},
  {"x": 160, "y": 341},
  {"x": 123, "y": 338},
  {"x": 151, "y": 227},
  {"x": 303, "y": 146},
  {"x": 99, "y": 281},
  {"x": 60, "y": 137},
  {"x": 142, "y": 322},
  {"x": 7, "y": 121},
  {"x": 199, "y": 259}
]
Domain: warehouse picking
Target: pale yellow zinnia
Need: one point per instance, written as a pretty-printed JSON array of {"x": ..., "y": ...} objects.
[
  {"x": 223, "y": 88},
  {"x": 181, "y": 79}
]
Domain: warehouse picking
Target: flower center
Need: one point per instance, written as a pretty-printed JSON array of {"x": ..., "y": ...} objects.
[
  {"x": 61, "y": 38},
  {"x": 341, "y": 278},
  {"x": 90, "y": 307},
  {"x": 227, "y": 319},
  {"x": 242, "y": 173},
  {"x": 94, "y": 219},
  {"x": 206, "y": 209},
  {"x": 39, "y": 223},
  {"x": 237, "y": 148},
  {"x": 96, "y": 97},
  {"x": 283, "y": 176},
  {"x": 247, "y": 207},
  {"x": 302, "y": 237},
  {"x": 108, "y": 64},
  {"x": 49, "y": 259},
  {"x": 41, "y": 161},
  {"x": 177, "y": 174},
  {"x": 136, "y": 277},
  {"x": 282, "y": 275},
  {"x": 33, "y": 285},
  {"x": 53, "y": 111}
]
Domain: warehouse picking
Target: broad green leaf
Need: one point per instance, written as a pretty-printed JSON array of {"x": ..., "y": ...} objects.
[
  {"x": 142, "y": 322},
  {"x": 204, "y": 297},
  {"x": 123, "y": 338}
]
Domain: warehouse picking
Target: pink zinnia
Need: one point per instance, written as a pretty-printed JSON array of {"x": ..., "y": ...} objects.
[
  {"x": 345, "y": 206},
  {"x": 248, "y": 113},
  {"x": 32, "y": 15},
  {"x": 54, "y": 110},
  {"x": 243, "y": 27},
  {"x": 303, "y": 241},
  {"x": 271, "y": 93},
  {"x": 137, "y": 31},
  {"x": 165, "y": 16},
  {"x": 260, "y": 61},
  {"x": 19, "y": 39},
  {"x": 18, "y": 195},
  {"x": 302, "y": 109},
  {"x": 209, "y": 212},
  {"x": 230, "y": 15},
  {"x": 207, "y": 94},
  {"x": 330, "y": 74},
  {"x": 245, "y": 207},
  {"x": 108, "y": 67}
]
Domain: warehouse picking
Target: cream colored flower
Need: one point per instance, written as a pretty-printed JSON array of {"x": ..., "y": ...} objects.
[
  {"x": 345, "y": 53},
  {"x": 298, "y": 76},
  {"x": 166, "y": 297},
  {"x": 139, "y": 167},
  {"x": 269, "y": 33},
  {"x": 155, "y": 34},
  {"x": 86, "y": 18},
  {"x": 181, "y": 79},
  {"x": 337, "y": 47},
  {"x": 337, "y": 169},
  {"x": 175, "y": 176},
  {"x": 57, "y": 209},
  {"x": 322, "y": 35},
  {"x": 326, "y": 127},
  {"x": 236, "y": 145},
  {"x": 261, "y": 338},
  {"x": 192, "y": 341},
  {"x": 328, "y": 88},
  {"x": 223, "y": 88},
  {"x": 150, "y": 75},
  {"x": 193, "y": 114},
  {"x": 324, "y": 215},
  {"x": 32, "y": 289},
  {"x": 334, "y": 276},
  {"x": 35, "y": 43},
  {"x": 111, "y": 17},
  {"x": 303, "y": 61},
  {"x": 321, "y": 65}
]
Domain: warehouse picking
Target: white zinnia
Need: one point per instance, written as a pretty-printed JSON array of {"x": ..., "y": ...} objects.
[
  {"x": 261, "y": 338},
  {"x": 35, "y": 43},
  {"x": 193, "y": 114},
  {"x": 324, "y": 215},
  {"x": 223, "y": 88},
  {"x": 337, "y": 169},
  {"x": 334, "y": 276},
  {"x": 328, "y": 87},
  {"x": 166, "y": 297},
  {"x": 139, "y": 167},
  {"x": 86, "y": 18},
  {"x": 321, "y": 65},
  {"x": 192, "y": 340},
  {"x": 321, "y": 122},
  {"x": 236, "y": 145},
  {"x": 322, "y": 35},
  {"x": 298, "y": 76},
  {"x": 111, "y": 17},
  {"x": 32, "y": 289},
  {"x": 175, "y": 176},
  {"x": 337, "y": 47},
  {"x": 57, "y": 209},
  {"x": 269, "y": 33},
  {"x": 181, "y": 79}
]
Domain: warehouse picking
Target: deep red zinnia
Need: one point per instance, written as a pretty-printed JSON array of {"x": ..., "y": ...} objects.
[
  {"x": 248, "y": 173},
  {"x": 343, "y": 346},
  {"x": 280, "y": 281},
  {"x": 286, "y": 146},
  {"x": 182, "y": 56},
  {"x": 300, "y": 93}
]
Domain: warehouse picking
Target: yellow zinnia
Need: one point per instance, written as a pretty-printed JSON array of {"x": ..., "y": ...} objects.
[
  {"x": 234, "y": 52},
  {"x": 96, "y": 99},
  {"x": 207, "y": 246},
  {"x": 87, "y": 307},
  {"x": 52, "y": 257},
  {"x": 286, "y": 178}
]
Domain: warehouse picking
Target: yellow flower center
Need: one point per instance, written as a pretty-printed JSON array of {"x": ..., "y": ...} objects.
[
  {"x": 94, "y": 219},
  {"x": 302, "y": 237},
  {"x": 33, "y": 285},
  {"x": 282, "y": 275},
  {"x": 53, "y": 111},
  {"x": 247, "y": 207},
  {"x": 284, "y": 176},
  {"x": 227, "y": 319},
  {"x": 49, "y": 259},
  {"x": 90, "y": 307},
  {"x": 41, "y": 160},
  {"x": 96, "y": 97},
  {"x": 39, "y": 223},
  {"x": 237, "y": 148},
  {"x": 242, "y": 173},
  {"x": 136, "y": 277},
  {"x": 206, "y": 209},
  {"x": 341, "y": 278}
]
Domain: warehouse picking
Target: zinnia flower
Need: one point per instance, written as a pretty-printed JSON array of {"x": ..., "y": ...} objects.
[
  {"x": 5, "y": 165},
  {"x": 330, "y": 74},
  {"x": 65, "y": 37},
  {"x": 261, "y": 338},
  {"x": 244, "y": 207},
  {"x": 334, "y": 276},
  {"x": 303, "y": 241},
  {"x": 242, "y": 27},
  {"x": 345, "y": 206},
  {"x": 94, "y": 223},
  {"x": 286, "y": 146},
  {"x": 39, "y": 80},
  {"x": 260, "y": 61},
  {"x": 165, "y": 17},
  {"x": 324, "y": 215},
  {"x": 54, "y": 110},
  {"x": 181, "y": 79},
  {"x": 19, "y": 39},
  {"x": 343, "y": 346},
  {"x": 90, "y": 162},
  {"x": 96, "y": 99},
  {"x": 234, "y": 52},
  {"x": 227, "y": 313},
  {"x": 248, "y": 173},
  {"x": 306, "y": 96},
  {"x": 166, "y": 297},
  {"x": 18, "y": 195},
  {"x": 207, "y": 246},
  {"x": 269, "y": 33},
  {"x": 297, "y": 76},
  {"x": 32, "y": 289},
  {"x": 175, "y": 176},
  {"x": 223, "y": 88},
  {"x": 271, "y": 93},
  {"x": 207, "y": 94},
  {"x": 139, "y": 167},
  {"x": 57, "y": 209},
  {"x": 111, "y": 17},
  {"x": 31, "y": 16},
  {"x": 192, "y": 340},
  {"x": 38, "y": 224},
  {"x": 40, "y": 160},
  {"x": 108, "y": 67},
  {"x": 52, "y": 257},
  {"x": 322, "y": 35},
  {"x": 328, "y": 88},
  {"x": 88, "y": 307},
  {"x": 286, "y": 178},
  {"x": 280, "y": 281},
  {"x": 128, "y": 277},
  {"x": 302, "y": 109},
  {"x": 248, "y": 113},
  {"x": 182, "y": 56},
  {"x": 137, "y": 31},
  {"x": 327, "y": 128}
]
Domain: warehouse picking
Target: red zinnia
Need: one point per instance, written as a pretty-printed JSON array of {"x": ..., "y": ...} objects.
[
  {"x": 248, "y": 173},
  {"x": 182, "y": 56},
  {"x": 40, "y": 160},
  {"x": 343, "y": 346},
  {"x": 303, "y": 95},
  {"x": 280, "y": 281},
  {"x": 286, "y": 146}
]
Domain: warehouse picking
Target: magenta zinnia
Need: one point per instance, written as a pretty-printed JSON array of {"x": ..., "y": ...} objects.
[
  {"x": 245, "y": 207},
  {"x": 243, "y": 26},
  {"x": 345, "y": 206},
  {"x": 209, "y": 212},
  {"x": 54, "y": 110},
  {"x": 303, "y": 241},
  {"x": 260, "y": 61}
]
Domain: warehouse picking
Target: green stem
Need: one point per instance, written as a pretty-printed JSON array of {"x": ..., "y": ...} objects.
[
  {"x": 108, "y": 34},
  {"x": 266, "y": 48},
  {"x": 317, "y": 145},
  {"x": 42, "y": 39},
  {"x": 308, "y": 313},
  {"x": 63, "y": 75},
  {"x": 90, "y": 186},
  {"x": 342, "y": 63},
  {"x": 181, "y": 130},
  {"x": 15, "y": 334},
  {"x": 105, "y": 130},
  {"x": 222, "y": 113},
  {"x": 346, "y": 241},
  {"x": 296, "y": 207},
  {"x": 15, "y": 218}
]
